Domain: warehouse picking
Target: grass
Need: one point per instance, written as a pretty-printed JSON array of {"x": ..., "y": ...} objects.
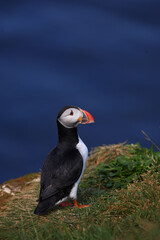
[{"x": 128, "y": 210}]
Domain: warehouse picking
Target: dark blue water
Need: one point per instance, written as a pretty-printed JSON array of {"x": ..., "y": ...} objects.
[{"x": 103, "y": 56}]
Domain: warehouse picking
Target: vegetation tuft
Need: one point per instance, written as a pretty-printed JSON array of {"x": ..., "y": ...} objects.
[
  {"x": 122, "y": 185},
  {"x": 116, "y": 170}
]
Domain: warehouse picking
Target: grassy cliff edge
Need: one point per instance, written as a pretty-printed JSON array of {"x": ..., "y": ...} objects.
[{"x": 121, "y": 183}]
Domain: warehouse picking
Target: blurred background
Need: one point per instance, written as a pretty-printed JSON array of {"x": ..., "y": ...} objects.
[{"x": 103, "y": 56}]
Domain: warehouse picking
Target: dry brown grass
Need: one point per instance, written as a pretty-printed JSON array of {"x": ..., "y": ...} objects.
[
  {"x": 139, "y": 197},
  {"x": 106, "y": 153},
  {"x": 23, "y": 199},
  {"x": 15, "y": 186}
]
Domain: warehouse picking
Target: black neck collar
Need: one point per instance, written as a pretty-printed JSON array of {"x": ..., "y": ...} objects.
[{"x": 67, "y": 137}]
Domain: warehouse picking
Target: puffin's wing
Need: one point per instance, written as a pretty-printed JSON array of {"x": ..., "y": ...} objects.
[{"x": 64, "y": 170}]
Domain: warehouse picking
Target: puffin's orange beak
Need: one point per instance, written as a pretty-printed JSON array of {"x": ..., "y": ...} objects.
[{"x": 86, "y": 117}]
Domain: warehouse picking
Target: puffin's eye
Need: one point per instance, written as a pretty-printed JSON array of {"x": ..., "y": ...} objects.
[{"x": 71, "y": 113}]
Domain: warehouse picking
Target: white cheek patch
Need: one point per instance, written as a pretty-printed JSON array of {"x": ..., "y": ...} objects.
[
  {"x": 70, "y": 121},
  {"x": 67, "y": 125}
]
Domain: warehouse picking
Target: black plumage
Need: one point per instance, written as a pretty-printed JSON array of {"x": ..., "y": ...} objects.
[
  {"x": 61, "y": 169},
  {"x": 65, "y": 164}
]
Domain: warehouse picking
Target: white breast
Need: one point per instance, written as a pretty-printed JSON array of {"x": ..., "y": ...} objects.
[{"x": 81, "y": 147}]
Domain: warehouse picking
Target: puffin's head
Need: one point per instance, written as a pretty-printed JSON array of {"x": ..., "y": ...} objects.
[{"x": 71, "y": 116}]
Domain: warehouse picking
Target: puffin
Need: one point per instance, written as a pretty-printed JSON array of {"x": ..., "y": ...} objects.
[{"x": 64, "y": 165}]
